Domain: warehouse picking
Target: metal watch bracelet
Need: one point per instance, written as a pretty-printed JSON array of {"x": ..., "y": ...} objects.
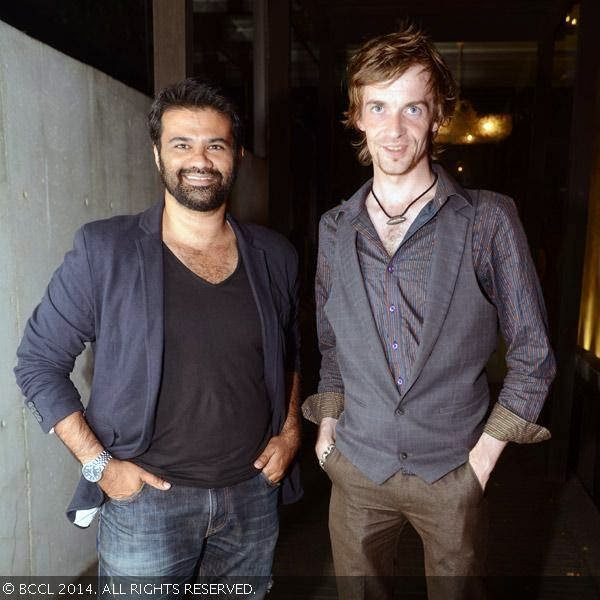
[{"x": 326, "y": 454}]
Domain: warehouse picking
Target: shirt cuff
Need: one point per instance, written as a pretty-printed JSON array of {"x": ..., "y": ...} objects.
[
  {"x": 326, "y": 404},
  {"x": 506, "y": 426}
]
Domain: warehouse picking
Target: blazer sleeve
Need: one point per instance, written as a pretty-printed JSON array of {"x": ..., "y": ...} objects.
[
  {"x": 54, "y": 336},
  {"x": 292, "y": 364}
]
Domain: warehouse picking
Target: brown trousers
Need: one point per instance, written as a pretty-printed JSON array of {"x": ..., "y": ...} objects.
[{"x": 365, "y": 522}]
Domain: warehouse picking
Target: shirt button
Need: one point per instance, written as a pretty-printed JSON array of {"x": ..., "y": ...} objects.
[
  {"x": 404, "y": 456},
  {"x": 399, "y": 381},
  {"x": 392, "y": 308},
  {"x": 395, "y": 345},
  {"x": 390, "y": 269},
  {"x": 399, "y": 411}
]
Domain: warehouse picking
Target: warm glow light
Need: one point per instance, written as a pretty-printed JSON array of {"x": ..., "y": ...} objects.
[
  {"x": 488, "y": 126},
  {"x": 574, "y": 21},
  {"x": 568, "y": 19},
  {"x": 589, "y": 312},
  {"x": 460, "y": 169},
  {"x": 495, "y": 127},
  {"x": 467, "y": 127}
]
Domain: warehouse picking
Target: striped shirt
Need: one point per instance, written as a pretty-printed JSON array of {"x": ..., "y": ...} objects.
[{"x": 397, "y": 291}]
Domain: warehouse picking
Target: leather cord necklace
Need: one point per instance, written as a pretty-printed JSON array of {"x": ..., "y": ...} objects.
[{"x": 395, "y": 220}]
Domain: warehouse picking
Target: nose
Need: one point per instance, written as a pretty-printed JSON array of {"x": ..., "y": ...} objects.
[
  {"x": 396, "y": 126},
  {"x": 200, "y": 159}
]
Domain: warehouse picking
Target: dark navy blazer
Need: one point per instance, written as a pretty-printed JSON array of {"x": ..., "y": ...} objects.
[{"x": 109, "y": 292}]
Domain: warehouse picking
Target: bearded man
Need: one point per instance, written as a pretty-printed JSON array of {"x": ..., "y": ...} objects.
[{"x": 189, "y": 436}]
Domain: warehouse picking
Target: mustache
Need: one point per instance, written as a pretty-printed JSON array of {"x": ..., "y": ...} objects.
[{"x": 196, "y": 171}]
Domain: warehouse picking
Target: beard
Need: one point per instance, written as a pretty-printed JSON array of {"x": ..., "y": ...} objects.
[{"x": 203, "y": 198}]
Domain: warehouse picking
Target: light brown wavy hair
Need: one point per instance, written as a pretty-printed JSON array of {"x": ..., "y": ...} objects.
[{"x": 387, "y": 57}]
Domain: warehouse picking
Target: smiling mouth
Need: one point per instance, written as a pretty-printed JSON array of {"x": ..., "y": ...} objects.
[
  {"x": 395, "y": 149},
  {"x": 198, "y": 178}
]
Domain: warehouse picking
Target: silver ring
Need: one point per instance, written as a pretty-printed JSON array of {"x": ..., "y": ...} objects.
[{"x": 326, "y": 454}]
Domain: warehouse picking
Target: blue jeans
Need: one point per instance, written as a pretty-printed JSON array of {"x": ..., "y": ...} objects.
[{"x": 189, "y": 532}]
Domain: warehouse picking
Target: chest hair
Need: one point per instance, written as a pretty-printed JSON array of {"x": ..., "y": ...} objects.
[
  {"x": 214, "y": 264},
  {"x": 391, "y": 236}
]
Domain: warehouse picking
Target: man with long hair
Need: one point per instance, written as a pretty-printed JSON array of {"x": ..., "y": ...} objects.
[{"x": 414, "y": 274}]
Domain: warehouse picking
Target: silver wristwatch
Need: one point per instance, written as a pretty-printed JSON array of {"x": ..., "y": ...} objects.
[{"x": 92, "y": 471}]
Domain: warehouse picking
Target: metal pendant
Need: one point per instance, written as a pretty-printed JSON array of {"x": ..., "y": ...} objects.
[{"x": 396, "y": 220}]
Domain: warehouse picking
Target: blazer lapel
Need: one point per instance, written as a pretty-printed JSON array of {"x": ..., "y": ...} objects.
[
  {"x": 151, "y": 265},
  {"x": 149, "y": 248},
  {"x": 450, "y": 239},
  {"x": 257, "y": 272}
]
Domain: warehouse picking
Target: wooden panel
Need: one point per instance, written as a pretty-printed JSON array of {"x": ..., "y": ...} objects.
[
  {"x": 172, "y": 41},
  {"x": 272, "y": 104}
]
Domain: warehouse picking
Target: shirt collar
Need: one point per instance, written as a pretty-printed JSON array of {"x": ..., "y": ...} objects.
[{"x": 446, "y": 187}]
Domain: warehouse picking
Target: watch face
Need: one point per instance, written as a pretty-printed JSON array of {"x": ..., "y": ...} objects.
[{"x": 93, "y": 471}]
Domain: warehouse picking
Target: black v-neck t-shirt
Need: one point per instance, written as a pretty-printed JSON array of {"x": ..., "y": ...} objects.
[{"x": 213, "y": 417}]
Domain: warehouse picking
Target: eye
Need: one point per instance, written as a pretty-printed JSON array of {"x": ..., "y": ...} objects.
[
  {"x": 414, "y": 110},
  {"x": 216, "y": 147},
  {"x": 182, "y": 146},
  {"x": 376, "y": 108}
]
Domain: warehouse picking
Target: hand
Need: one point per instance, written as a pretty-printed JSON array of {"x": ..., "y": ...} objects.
[
  {"x": 326, "y": 436},
  {"x": 277, "y": 456},
  {"x": 122, "y": 479},
  {"x": 483, "y": 457}
]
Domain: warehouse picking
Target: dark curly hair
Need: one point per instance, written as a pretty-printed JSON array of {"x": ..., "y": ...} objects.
[{"x": 193, "y": 93}]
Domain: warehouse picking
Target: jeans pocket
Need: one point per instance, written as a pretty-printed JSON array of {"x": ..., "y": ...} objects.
[
  {"x": 128, "y": 499},
  {"x": 270, "y": 483}
]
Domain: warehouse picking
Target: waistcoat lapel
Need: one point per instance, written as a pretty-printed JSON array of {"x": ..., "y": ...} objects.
[
  {"x": 352, "y": 283},
  {"x": 450, "y": 238}
]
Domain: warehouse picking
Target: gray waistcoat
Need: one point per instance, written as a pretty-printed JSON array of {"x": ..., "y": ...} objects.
[{"x": 429, "y": 427}]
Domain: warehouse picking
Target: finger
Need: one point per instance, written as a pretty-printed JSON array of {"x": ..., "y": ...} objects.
[
  {"x": 154, "y": 481},
  {"x": 273, "y": 472},
  {"x": 265, "y": 457},
  {"x": 273, "y": 478},
  {"x": 277, "y": 466}
]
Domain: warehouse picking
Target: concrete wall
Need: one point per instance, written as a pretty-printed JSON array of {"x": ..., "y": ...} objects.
[{"x": 73, "y": 148}]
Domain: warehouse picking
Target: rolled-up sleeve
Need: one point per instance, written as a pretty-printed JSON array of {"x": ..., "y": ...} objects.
[
  {"x": 329, "y": 401},
  {"x": 512, "y": 285}
]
